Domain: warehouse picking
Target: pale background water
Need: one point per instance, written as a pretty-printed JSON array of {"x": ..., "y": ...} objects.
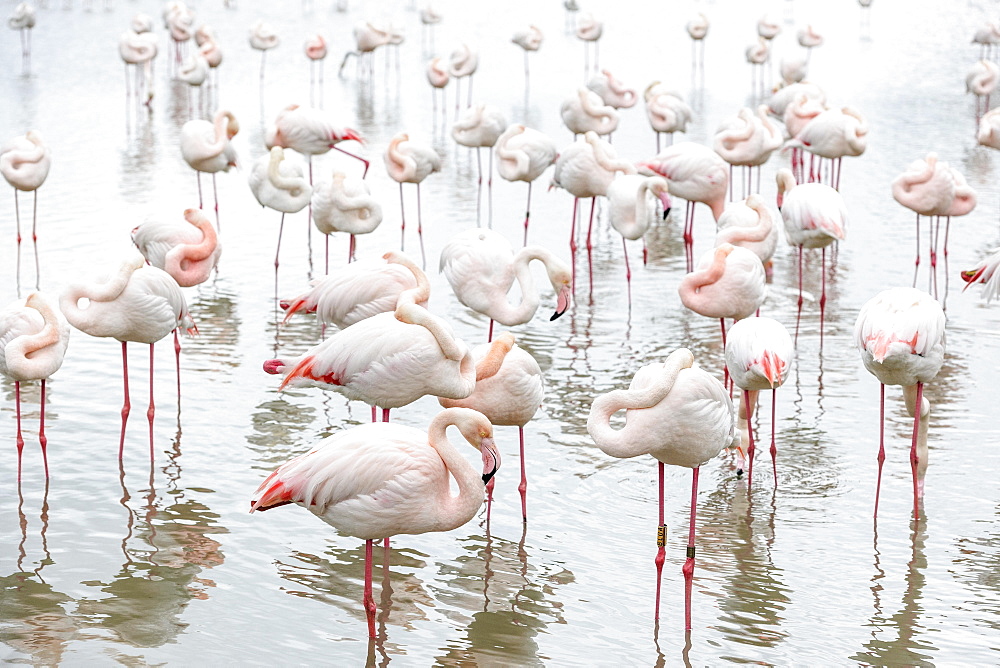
[{"x": 167, "y": 566}]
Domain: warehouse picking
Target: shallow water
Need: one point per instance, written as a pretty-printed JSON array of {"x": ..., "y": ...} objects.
[{"x": 163, "y": 564}]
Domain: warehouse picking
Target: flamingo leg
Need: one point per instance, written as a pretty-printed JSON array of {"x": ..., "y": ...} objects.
[
  {"x": 916, "y": 264},
  {"x": 822, "y": 297},
  {"x": 489, "y": 498},
  {"x": 798, "y": 315},
  {"x": 17, "y": 217},
  {"x": 881, "y": 447},
  {"x": 749, "y": 399},
  {"x": 774, "y": 446},
  {"x": 215, "y": 195},
  {"x": 688, "y": 568},
  {"x": 914, "y": 457},
  {"x": 369, "y": 600},
  {"x": 527, "y": 214},
  {"x": 489, "y": 188},
  {"x": 200, "y": 201},
  {"x": 42, "y": 440},
  {"x": 309, "y": 220},
  {"x": 151, "y": 410},
  {"x": 523, "y": 487},
  {"x": 374, "y": 414},
  {"x": 479, "y": 185},
  {"x": 947, "y": 280},
  {"x": 572, "y": 244},
  {"x": 277, "y": 252},
  {"x": 350, "y": 251},
  {"x": 402, "y": 215},
  {"x": 126, "y": 407},
  {"x": 20, "y": 439},
  {"x": 590, "y": 246},
  {"x": 661, "y": 543},
  {"x": 420, "y": 232},
  {"x": 689, "y": 236},
  {"x": 34, "y": 236},
  {"x": 489, "y": 335},
  {"x": 628, "y": 273},
  {"x": 356, "y": 157},
  {"x": 385, "y": 415},
  {"x": 177, "y": 356}
]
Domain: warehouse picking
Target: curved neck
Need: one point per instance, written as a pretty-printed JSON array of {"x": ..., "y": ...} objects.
[
  {"x": 470, "y": 121},
  {"x": 692, "y": 284},
  {"x": 25, "y": 346},
  {"x": 617, "y": 443},
  {"x": 520, "y": 158},
  {"x": 180, "y": 261},
  {"x": 605, "y": 157},
  {"x": 401, "y": 162},
  {"x": 108, "y": 291},
  {"x": 346, "y": 202},
  {"x": 454, "y": 510},
  {"x": 488, "y": 366},
  {"x": 290, "y": 184}
]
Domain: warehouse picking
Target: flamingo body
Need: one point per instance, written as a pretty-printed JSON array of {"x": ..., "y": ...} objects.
[
  {"x": 523, "y": 153},
  {"x": 728, "y": 282},
  {"x": 187, "y": 251},
  {"x": 25, "y": 161},
  {"x": 206, "y": 147}
]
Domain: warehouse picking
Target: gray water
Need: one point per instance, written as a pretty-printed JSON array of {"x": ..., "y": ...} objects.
[{"x": 140, "y": 565}]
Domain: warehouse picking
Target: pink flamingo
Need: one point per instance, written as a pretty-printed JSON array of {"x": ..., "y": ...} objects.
[
  {"x": 529, "y": 40},
  {"x": 695, "y": 173},
  {"x": 345, "y": 204},
  {"x": 797, "y": 115},
  {"x": 480, "y": 127},
  {"x": 310, "y": 132},
  {"x": 758, "y": 357},
  {"x": 206, "y": 147},
  {"x": 24, "y": 162},
  {"x": 263, "y": 39},
  {"x": 438, "y": 77},
  {"x": 666, "y": 110},
  {"x": 832, "y": 134},
  {"x": 508, "y": 392},
  {"x": 138, "y": 49},
  {"x": 410, "y": 162},
  {"x": 585, "y": 111},
  {"x": 315, "y": 49},
  {"x": 589, "y": 30},
  {"x": 612, "y": 91},
  {"x": 463, "y": 63},
  {"x": 632, "y": 207},
  {"x": 139, "y": 303},
  {"x": 747, "y": 140},
  {"x": 680, "y": 415},
  {"x": 986, "y": 273},
  {"x": 23, "y": 20},
  {"x": 752, "y": 225},
  {"x": 900, "y": 333},
  {"x": 981, "y": 81},
  {"x": 697, "y": 30},
  {"x": 188, "y": 251},
  {"x": 522, "y": 155},
  {"x": 347, "y": 479},
  {"x": 388, "y": 360},
  {"x": 33, "y": 340}
]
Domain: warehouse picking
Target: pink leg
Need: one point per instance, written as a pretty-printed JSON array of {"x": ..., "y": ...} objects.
[
  {"x": 20, "y": 439},
  {"x": 798, "y": 315},
  {"x": 198, "y": 175},
  {"x": 645, "y": 252},
  {"x": 916, "y": 264},
  {"x": 177, "y": 356},
  {"x": 750, "y": 447},
  {"x": 357, "y": 157},
  {"x": 527, "y": 212},
  {"x": 489, "y": 498},
  {"x": 151, "y": 410},
  {"x": 881, "y": 446},
  {"x": 572, "y": 242},
  {"x": 369, "y": 600},
  {"x": 822, "y": 297},
  {"x": 661, "y": 542},
  {"x": 590, "y": 258},
  {"x": 350, "y": 251},
  {"x": 914, "y": 459},
  {"x": 34, "y": 237},
  {"x": 402, "y": 224},
  {"x": 215, "y": 194},
  {"x": 947, "y": 228},
  {"x": 725, "y": 369},
  {"x": 374, "y": 415},
  {"x": 479, "y": 185},
  {"x": 628, "y": 273},
  {"x": 420, "y": 231},
  {"x": 309, "y": 217},
  {"x": 17, "y": 217},
  {"x": 774, "y": 446},
  {"x": 42, "y": 440},
  {"x": 385, "y": 415},
  {"x": 688, "y": 569},
  {"x": 126, "y": 407},
  {"x": 277, "y": 252},
  {"x": 689, "y": 236},
  {"x": 523, "y": 487}
]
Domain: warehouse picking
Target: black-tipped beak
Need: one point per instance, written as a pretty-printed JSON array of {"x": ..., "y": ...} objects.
[
  {"x": 491, "y": 459},
  {"x": 556, "y": 315},
  {"x": 666, "y": 213}
]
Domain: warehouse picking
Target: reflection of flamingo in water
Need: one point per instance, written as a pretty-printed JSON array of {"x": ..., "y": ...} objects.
[
  {"x": 680, "y": 415},
  {"x": 900, "y": 333},
  {"x": 380, "y": 480},
  {"x": 33, "y": 340}
]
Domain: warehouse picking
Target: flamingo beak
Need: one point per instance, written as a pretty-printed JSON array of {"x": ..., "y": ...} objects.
[
  {"x": 971, "y": 276},
  {"x": 665, "y": 201},
  {"x": 562, "y": 302},
  {"x": 491, "y": 458}
]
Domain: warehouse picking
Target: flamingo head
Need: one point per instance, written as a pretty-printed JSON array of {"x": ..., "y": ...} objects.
[
  {"x": 564, "y": 293},
  {"x": 491, "y": 457},
  {"x": 971, "y": 276}
]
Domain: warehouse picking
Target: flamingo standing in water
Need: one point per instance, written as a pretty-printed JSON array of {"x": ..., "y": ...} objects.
[
  {"x": 585, "y": 169},
  {"x": 278, "y": 182},
  {"x": 632, "y": 207},
  {"x": 481, "y": 268},
  {"x": 438, "y": 77},
  {"x": 529, "y": 40},
  {"x": 589, "y": 31},
  {"x": 23, "y": 20},
  {"x": 367, "y": 38},
  {"x": 390, "y": 359},
  {"x": 986, "y": 273},
  {"x": 900, "y": 333},
  {"x": 357, "y": 291},
  {"x": 410, "y": 162},
  {"x": 697, "y": 30},
  {"x": 263, "y": 39},
  {"x": 522, "y": 155},
  {"x": 815, "y": 216},
  {"x": 315, "y": 49},
  {"x": 758, "y": 357},
  {"x": 585, "y": 111},
  {"x": 666, "y": 110},
  {"x": 508, "y": 392},
  {"x": 695, "y": 173},
  {"x": 380, "y": 480},
  {"x": 612, "y": 91},
  {"x": 798, "y": 113},
  {"x": 24, "y": 162},
  {"x": 480, "y": 127},
  {"x": 680, "y": 415},
  {"x": 747, "y": 140},
  {"x": 139, "y": 303},
  {"x": 981, "y": 81},
  {"x": 809, "y": 39},
  {"x": 463, "y": 63},
  {"x": 33, "y": 340},
  {"x": 345, "y": 204},
  {"x": 832, "y": 134},
  {"x": 138, "y": 49},
  {"x": 206, "y": 147},
  {"x": 188, "y": 251}
]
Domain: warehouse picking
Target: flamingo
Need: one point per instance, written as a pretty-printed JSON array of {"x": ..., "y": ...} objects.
[
  {"x": 758, "y": 357},
  {"x": 367, "y": 38},
  {"x": 310, "y": 132},
  {"x": 695, "y": 173},
  {"x": 480, "y": 127},
  {"x": 345, "y": 204},
  {"x": 809, "y": 39},
  {"x": 832, "y": 134},
  {"x": 23, "y": 20},
  {"x": 585, "y": 169},
  {"x": 589, "y": 30},
  {"x": 138, "y": 49},
  {"x": 815, "y": 216},
  {"x": 141, "y": 22},
  {"x": 139, "y": 303},
  {"x": 206, "y": 147},
  {"x": 612, "y": 91},
  {"x": 315, "y": 50},
  {"x": 508, "y": 392},
  {"x": 747, "y": 140},
  {"x": 900, "y": 333},
  {"x": 697, "y": 30},
  {"x": 212, "y": 53},
  {"x": 750, "y": 224},
  {"x": 438, "y": 77},
  {"x": 798, "y": 113},
  {"x": 188, "y": 251},
  {"x": 278, "y": 182},
  {"x": 523, "y": 154},
  {"x": 987, "y": 37},
  {"x": 390, "y": 359},
  {"x": 380, "y": 480},
  {"x": 429, "y": 17},
  {"x": 481, "y": 267},
  {"x": 178, "y": 19},
  {"x": 585, "y": 111},
  {"x": 666, "y": 110},
  {"x": 529, "y": 40},
  {"x": 632, "y": 207},
  {"x": 986, "y": 273},
  {"x": 785, "y": 95},
  {"x": 758, "y": 54},
  {"x": 768, "y": 28},
  {"x": 33, "y": 340},
  {"x": 263, "y": 39},
  {"x": 410, "y": 162},
  {"x": 357, "y": 291},
  {"x": 793, "y": 70},
  {"x": 193, "y": 71},
  {"x": 679, "y": 414},
  {"x": 729, "y": 282},
  {"x": 981, "y": 81},
  {"x": 463, "y": 62},
  {"x": 989, "y": 129},
  {"x": 24, "y": 162}
]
